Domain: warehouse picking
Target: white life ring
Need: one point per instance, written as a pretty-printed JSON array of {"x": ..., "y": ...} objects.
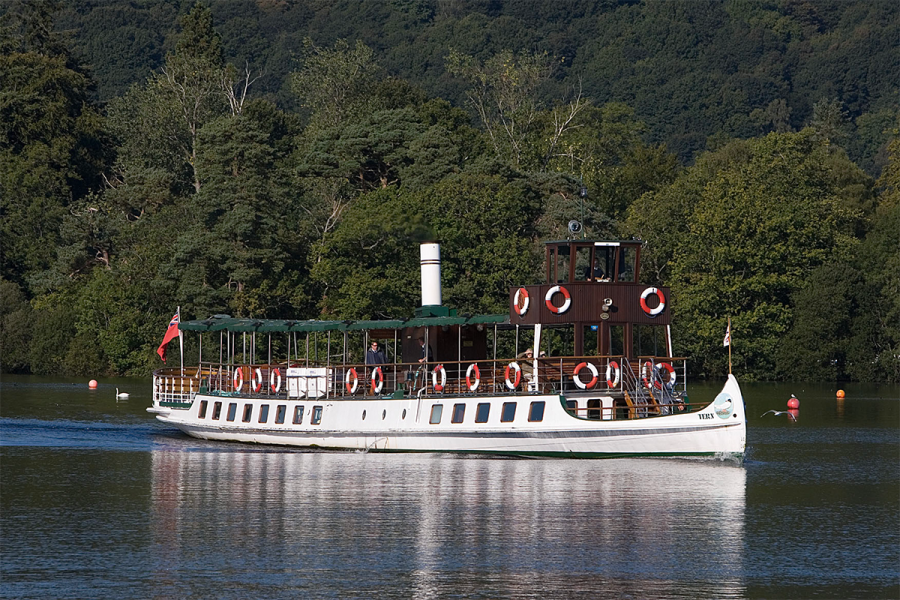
[
  {"x": 558, "y": 310},
  {"x": 473, "y": 386},
  {"x": 647, "y": 374},
  {"x": 378, "y": 376},
  {"x": 256, "y": 380},
  {"x": 581, "y": 385},
  {"x": 612, "y": 369},
  {"x": 523, "y": 293},
  {"x": 439, "y": 387},
  {"x": 275, "y": 381},
  {"x": 673, "y": 377},
  {"x": 351, "y": 388},
  {"x": 238, "y": 379},
  {"x": 515, "y": 367},
  {"x": 662, "y": 301}
]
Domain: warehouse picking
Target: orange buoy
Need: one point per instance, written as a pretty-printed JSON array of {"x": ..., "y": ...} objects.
[
  {"x": 794, "y": 402},
  {"x": 92, "y": 384},
  {"x": 840, "y": 394}
]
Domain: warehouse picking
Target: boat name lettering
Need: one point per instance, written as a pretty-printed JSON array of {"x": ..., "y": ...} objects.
[{"x": 705, "y": 415}]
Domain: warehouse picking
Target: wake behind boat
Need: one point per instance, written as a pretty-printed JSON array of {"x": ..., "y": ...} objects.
[{"x": 587, "y": 371}]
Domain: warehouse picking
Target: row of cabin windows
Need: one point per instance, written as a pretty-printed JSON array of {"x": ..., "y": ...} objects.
[
  {"x": 483, "y": 411},
  {"x": 280, "y": 413}
]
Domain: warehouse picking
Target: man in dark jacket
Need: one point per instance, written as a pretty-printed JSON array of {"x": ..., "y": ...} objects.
[{"x": 375, "y": 356}]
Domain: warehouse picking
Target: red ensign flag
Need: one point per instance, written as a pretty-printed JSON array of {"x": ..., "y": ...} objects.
[{"x": 171, "y": 332}]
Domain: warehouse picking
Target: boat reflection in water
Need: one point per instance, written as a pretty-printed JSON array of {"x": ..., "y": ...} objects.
[{"x": 344, "y": 524}]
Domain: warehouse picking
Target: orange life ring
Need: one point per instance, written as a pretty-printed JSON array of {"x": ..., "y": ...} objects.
[
  {"x": 612, "y": 369},
  {"x": 275, "y": 381},
  {"x": 548, "y": 300},
  {"x": 523, "y": 293},
  {"x": 473, "y": 386},
  {"x": 256, "y": 380},
  {"x": 580, "y": 384},
  {"x": 514, "y": 366},
  {"x": 238, "y": 379},
  {"x": 647, "y": 374},
  {"x": 673, "y": 377},
  {"x": 439, "y": 387},
  {"x": 378, "y": 376},
  {"x": 652, "y": 312},
  {"x": 351, "y": 388}
]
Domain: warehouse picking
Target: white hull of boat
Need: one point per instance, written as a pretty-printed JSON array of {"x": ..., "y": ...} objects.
[{"x": 403, "y": 425}]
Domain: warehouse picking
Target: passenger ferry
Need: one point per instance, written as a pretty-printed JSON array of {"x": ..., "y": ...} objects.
[{"x": 581, "y": 366}]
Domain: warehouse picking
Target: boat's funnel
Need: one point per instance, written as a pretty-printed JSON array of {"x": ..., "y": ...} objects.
[{"x": 430, "y": 253}]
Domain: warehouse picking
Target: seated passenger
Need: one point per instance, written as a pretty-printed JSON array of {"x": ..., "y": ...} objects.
[{"x": 597, "y": 273}]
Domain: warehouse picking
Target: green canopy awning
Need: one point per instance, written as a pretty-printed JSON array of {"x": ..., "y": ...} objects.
[{"x": 281, "y": 325}]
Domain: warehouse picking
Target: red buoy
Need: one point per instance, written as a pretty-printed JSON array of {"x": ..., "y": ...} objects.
[
  {"x": 794, "y": 402},
  {"x": 92, "y": 384}
]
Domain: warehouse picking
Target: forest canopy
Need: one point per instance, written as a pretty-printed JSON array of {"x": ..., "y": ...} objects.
[{"x": 282, "y": 159}]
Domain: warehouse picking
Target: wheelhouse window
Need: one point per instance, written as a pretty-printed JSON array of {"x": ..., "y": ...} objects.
[
  {"x": 202, "y": 413},
  {"x": 298, "y": 415},
  {"x": 436, "y": 411},
  {"x": 459, "y": 412},
  {"x": 316, "y": 415},
  {"x": 264, "y": 413},
  {"x": 508, "y": 413},
  {"x": 217, "y": 411},
  {"x": 248, "y": 411},
  {"x": 627, "y": 263},
  {"x": 280, "y": 412},
  {"x": 536, "y": 412},
  {"x": 232, "y": 411},
  {"x": 482, "y": 411}
]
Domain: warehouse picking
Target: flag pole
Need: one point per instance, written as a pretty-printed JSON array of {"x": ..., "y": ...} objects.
[
  {"x": 180, "y": 342},
  {"x": 729, "y": 345}
]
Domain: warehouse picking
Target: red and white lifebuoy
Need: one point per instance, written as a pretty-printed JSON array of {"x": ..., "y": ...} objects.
[
  {"x": 613, "y": 369},
  {"x": 470, "y": 384},
  {"x": 647, "y": 374},
  {"x": 439, "y": 370},
  {"x": 578, "y": 382},
  {"x": 275, "y": 381},
  {"x": 567, "y": 302},
  {"x": 664, "y": 366},
  {"x": 513, "y": 384},
  {"x": 521, "y": 301},
  {"x": 377, "y": 380},
  {"x": 256, "y": 380},
  {"x": 238, "y": 379},
  {"x": 351, "y": 387},
  {"x": 650, "y": 291}
]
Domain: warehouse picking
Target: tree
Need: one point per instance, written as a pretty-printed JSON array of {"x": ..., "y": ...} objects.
[{"x": 739, "y": 234}]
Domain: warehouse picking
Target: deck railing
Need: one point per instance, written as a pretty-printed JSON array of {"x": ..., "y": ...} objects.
[{"x": 647, "y": 386}]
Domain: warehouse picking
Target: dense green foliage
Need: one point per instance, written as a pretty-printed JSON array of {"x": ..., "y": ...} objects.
[{"x": 282, "y": 159}]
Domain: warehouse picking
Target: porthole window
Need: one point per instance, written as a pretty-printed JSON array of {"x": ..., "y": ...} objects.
[
  {"x": 536, "y": 412},
  {"x": 436, "y": 411},
  {"x": 403, "y": 416},
  {"x": 459, "y": 412},
  {"x": 364, "y": 415},
  {"x": 217, "y": 411},
  {"x": 383, "y": 414},
  {"x": 202, "y": 413},
  {"x": 264, "y": 413},
  {"x": 232, "y": 411},
  {"x": 316, "y": 415},
  {"x": 508, "y": 413},
  {"x": 248, "y": 410},
  {"x": 482, "y": 411},
  {"x": 298, "y": 415},
  {"x": 280, "y": 413}
]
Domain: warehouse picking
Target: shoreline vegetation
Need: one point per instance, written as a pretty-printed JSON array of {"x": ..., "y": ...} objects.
[{"x": 282, "y": 160}]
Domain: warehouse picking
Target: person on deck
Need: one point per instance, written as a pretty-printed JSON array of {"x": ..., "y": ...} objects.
[
  {"x": 375, "y": 356},
  {"x": 527, "y": 363},
  {"x": 427, "y": 355}
]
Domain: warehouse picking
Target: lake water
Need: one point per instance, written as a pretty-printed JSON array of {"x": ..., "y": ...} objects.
[{"x": 99, "y": 500}]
